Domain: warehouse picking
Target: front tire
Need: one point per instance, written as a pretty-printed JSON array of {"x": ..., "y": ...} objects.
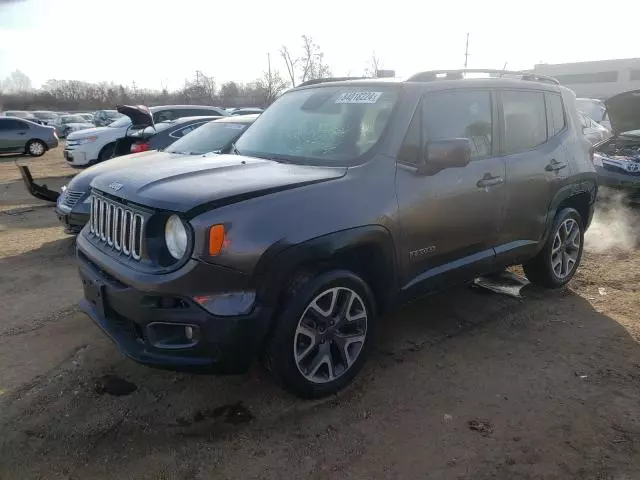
[
  {"x": 323, "y": 334},
  {"x": 107, "y": 152},
  {"x": 36, "y": 148},
  {"x": 560, "y": 257}
]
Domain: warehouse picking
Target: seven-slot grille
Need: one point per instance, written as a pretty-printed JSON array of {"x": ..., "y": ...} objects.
[
  {"x": 119, "y": 227},
  {"x": 71, "y": 198}
]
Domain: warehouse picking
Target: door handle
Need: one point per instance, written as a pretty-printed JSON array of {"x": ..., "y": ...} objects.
[
  {"x": 554, "y": 165},
  {"x": 489, "y": 181},
  {"x": 22, "y": 133}
]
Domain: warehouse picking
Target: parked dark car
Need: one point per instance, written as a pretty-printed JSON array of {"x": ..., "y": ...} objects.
[
  {"x": 24, "y": 115},
  {"x": 18, "y": 135},
  {"x": 617, "y": 159},
  {"x": 45, "y": 116},
  {"x": 66, "y": 124},
  {"x": 212, "y": 137},
  {"x": 343, "y": 200},
  {"x": 163, "y": 134},
  {"x": 95, "y": 145},
  {"x": 102, "y": 118}
]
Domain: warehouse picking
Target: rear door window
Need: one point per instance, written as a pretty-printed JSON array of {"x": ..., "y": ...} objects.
[
  {"x": 525, "y": 120},
  {"x": 460, "y": 114}
]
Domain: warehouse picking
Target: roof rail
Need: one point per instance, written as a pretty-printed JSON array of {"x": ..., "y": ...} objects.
[
  {"x": 328, "y": 79},
  {"x": 432, "y": 75}
]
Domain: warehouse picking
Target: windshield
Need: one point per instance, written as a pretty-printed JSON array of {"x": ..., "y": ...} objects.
[
  {"x": 325, "y": 125},
  {"x": 210, "y": 137},
  {"x": 120, "y": 122},
  {"x": 592, "y": 108}
]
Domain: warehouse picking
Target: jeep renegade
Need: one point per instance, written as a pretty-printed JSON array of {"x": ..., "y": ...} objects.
[{"x": 344, "y": 199}]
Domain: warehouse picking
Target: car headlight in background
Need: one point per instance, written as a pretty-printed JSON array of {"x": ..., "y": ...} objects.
[
  {"x": 175, "y": 235},
  {"x": 82, "y": 141}
]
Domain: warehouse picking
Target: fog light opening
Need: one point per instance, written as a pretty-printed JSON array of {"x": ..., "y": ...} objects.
[{"x": 188, "y": 332}]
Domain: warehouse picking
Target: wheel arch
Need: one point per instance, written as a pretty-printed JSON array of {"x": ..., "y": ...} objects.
[
  {"x": 35, "y": 139},
  {"x": 581, "y": 197},
  {"x": 367, "y": 251}
]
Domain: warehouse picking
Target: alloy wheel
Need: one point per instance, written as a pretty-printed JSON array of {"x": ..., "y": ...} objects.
[
  {"x": 36, "y": 148},
  {"x": 330, "y": 334},
  {"x": 566, "y": 248}
]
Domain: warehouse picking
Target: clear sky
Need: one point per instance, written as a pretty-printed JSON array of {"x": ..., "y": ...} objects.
[{"x": 156, "y": 42}]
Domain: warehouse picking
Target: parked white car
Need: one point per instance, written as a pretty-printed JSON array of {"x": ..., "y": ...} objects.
[
  {"x": 94, "y": 145},
  {"x": 593, "y": 132},
  {"x": 595, "y": 109}
]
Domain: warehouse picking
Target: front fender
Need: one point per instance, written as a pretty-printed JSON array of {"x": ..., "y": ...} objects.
[{"x": 275, "y": 270}]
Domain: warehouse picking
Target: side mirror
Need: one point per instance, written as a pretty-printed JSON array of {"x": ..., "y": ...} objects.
[{"x": 447, "y": 153}]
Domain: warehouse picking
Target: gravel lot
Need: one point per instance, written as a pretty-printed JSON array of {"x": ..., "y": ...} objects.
[{"x": 462, "y": 385}]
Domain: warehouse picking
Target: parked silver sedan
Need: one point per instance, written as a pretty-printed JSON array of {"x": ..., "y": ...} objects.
[{"x": 22, "y": 136}]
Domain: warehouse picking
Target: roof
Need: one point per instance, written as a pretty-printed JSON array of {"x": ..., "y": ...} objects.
[{"x": 447, "y": 78}]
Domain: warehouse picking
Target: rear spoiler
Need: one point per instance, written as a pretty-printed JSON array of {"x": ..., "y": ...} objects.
[{"x": 41, "y": 192}]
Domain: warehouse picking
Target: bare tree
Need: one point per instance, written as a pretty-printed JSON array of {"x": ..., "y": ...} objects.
[
  {"x": 374, "y": 66},
  {"x": 291, "y": 64},
  {"x": 312, "y": 60},
  {"x": 16, "y": 82},
  {"x": 271, "y": 83}
]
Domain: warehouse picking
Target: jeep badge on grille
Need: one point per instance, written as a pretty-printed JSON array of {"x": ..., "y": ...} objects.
[{"x": 115, "y": 186}]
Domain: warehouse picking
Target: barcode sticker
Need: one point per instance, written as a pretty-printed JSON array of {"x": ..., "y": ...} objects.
[{"x": 358, "y": 97}]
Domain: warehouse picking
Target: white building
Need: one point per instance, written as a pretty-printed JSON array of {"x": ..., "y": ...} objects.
[{"x": 601, "y": 79}]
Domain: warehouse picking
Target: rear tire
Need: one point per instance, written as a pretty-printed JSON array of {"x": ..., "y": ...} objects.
[
  {"x": 36, "y": 148},
  {"x": 323, "y": 334},
  {"x": 107, "y": 152},
  {"x": 557, "y": 262}
]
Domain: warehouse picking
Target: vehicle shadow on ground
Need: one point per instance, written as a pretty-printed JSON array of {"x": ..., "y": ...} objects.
[{"x": 455, "y": 347}]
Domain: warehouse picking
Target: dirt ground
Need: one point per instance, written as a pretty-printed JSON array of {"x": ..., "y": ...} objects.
[{"x": 462, "y": 385}]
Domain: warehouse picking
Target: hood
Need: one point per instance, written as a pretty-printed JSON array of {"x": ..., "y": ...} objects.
[
  {"x": 140, "y": 115},
  {"x": 82, "y": 181},
  {"x": 207, "y": 180},
  {"x": 80, "y": 125},
  {"x": 96, "y": 131},
  {"x": 624, "y": 111}
]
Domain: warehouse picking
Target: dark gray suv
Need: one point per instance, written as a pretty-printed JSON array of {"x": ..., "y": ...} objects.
[{"x": 341, "y": 201}]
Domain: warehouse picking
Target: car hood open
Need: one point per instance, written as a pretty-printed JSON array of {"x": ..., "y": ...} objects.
[
  {"x": 140, "y": 115},
  {"x": 207, "y": 181},
  {"x": 624, "y": 111}
]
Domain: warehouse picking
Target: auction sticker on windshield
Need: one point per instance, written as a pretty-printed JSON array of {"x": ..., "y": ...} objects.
[{"x": 358, "y": 97}]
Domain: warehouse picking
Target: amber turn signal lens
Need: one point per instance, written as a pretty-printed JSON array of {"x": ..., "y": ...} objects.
[{"x": 216, "y": 239}]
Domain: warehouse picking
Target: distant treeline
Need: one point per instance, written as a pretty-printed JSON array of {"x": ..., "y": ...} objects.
[{"x": 66, "y": 95}]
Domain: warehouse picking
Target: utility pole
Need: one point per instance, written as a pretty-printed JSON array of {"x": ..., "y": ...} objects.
[{"x": 466, "y": 52}]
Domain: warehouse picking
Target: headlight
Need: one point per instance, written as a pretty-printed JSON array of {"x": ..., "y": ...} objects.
[
  {"x": 175, "y": 235},
  {"x": 82, "y": 141}
]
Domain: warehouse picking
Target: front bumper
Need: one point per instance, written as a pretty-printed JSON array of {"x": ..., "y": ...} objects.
[
  {"x": 130, "y": 315},
  {"x": 628, "y": 182}
]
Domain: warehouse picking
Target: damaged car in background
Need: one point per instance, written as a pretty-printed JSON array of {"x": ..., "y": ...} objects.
[
  {"x": 617, "y": 159},
  {"x": 214, "y": 136}
]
